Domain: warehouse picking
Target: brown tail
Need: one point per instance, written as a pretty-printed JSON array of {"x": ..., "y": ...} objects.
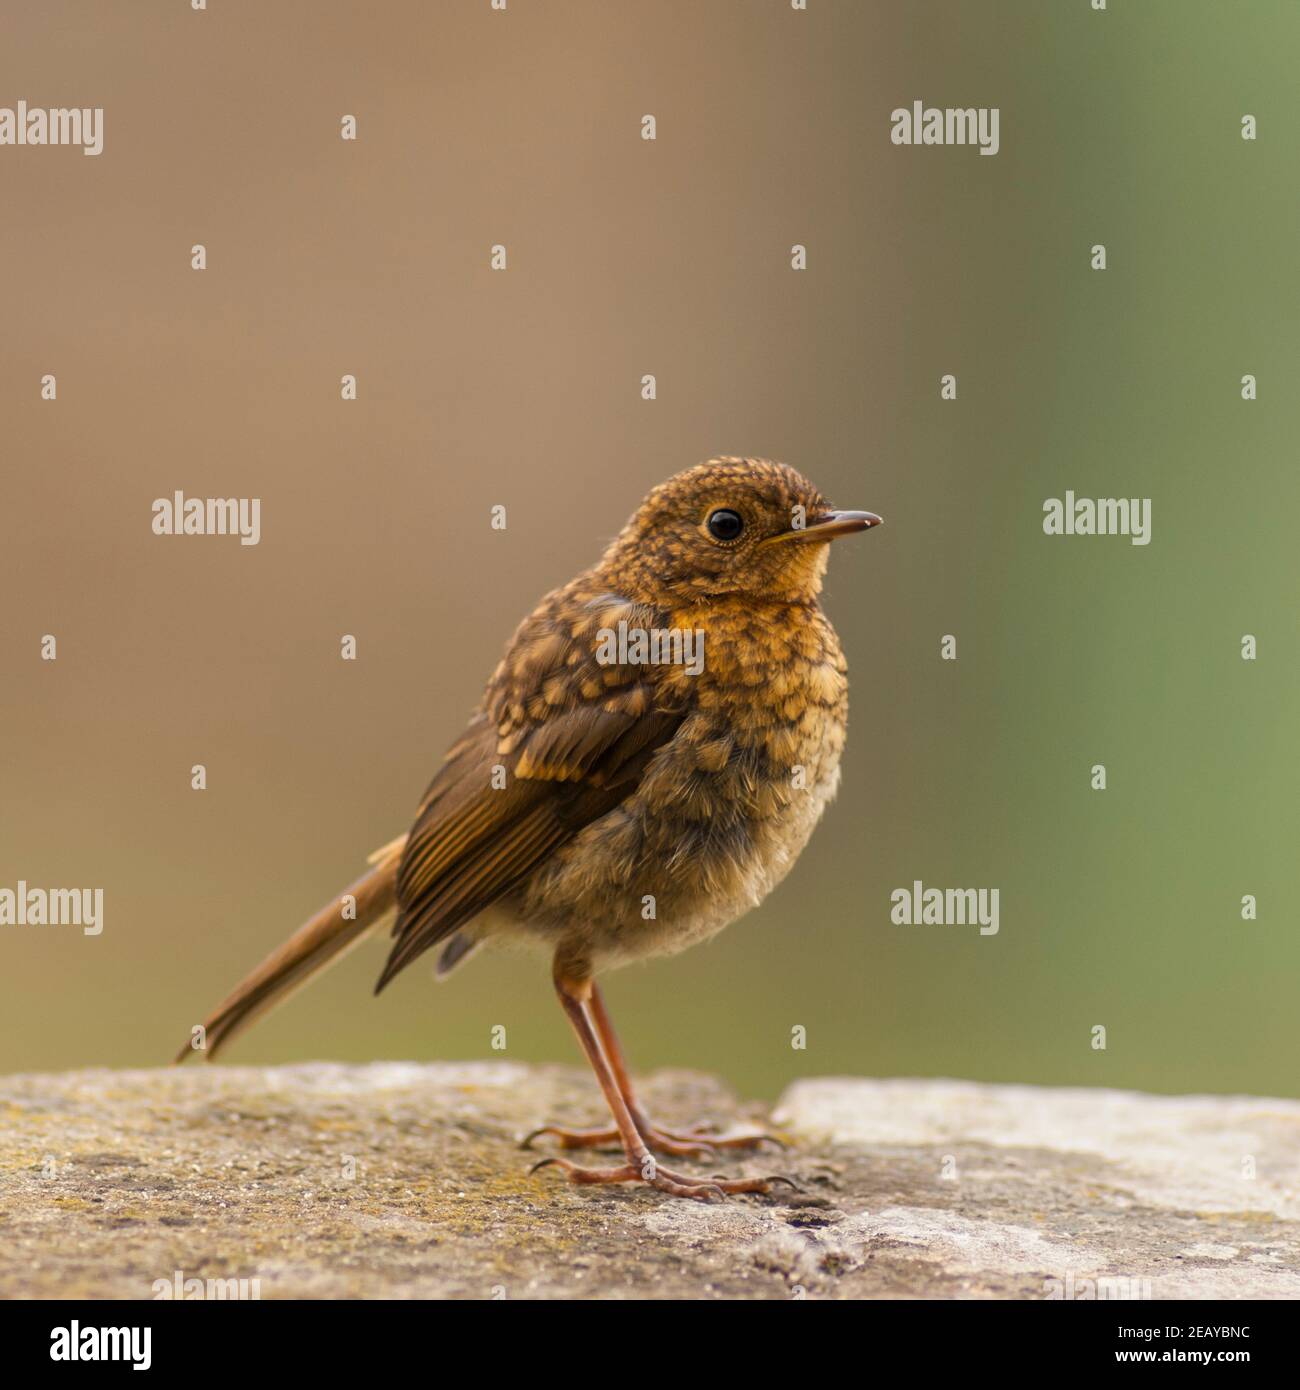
[{"x": 324, "y": 938}]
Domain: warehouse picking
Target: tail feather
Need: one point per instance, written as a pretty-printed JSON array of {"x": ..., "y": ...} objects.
[{"x": 324, "y": 938}]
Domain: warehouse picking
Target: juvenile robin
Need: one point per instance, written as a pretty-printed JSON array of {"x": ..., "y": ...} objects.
[{"x": 648, "y": 761}]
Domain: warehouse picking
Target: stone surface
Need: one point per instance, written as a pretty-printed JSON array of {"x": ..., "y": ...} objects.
[{"x": 405, "y": 1180}]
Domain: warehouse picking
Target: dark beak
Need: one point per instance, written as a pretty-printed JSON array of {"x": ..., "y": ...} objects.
[{"x": 829, "y": 525}]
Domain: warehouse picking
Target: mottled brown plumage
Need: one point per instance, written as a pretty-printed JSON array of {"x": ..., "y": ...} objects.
[{"x": 615, "y": 803}]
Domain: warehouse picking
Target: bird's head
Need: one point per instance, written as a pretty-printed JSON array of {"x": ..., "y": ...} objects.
[{"x": 729, "y": 526}]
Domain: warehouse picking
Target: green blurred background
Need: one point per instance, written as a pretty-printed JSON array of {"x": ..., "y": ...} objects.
[{"x": 1119, "y": 908}]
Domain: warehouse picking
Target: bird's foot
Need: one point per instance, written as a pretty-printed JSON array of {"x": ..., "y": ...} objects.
[
  {"x": 696, "y": 1142},
  {"x": 664, "y": 1179},
  {"x": 739, "y": 1140}
]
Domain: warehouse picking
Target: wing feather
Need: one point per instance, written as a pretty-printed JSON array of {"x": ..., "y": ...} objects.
[{"x": 572, "y": 736}]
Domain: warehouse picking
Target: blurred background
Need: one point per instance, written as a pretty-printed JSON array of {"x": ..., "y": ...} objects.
[{"x": 1119, "y": 908}]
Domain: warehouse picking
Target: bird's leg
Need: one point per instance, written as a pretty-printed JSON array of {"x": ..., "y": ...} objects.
[
  {"x": 575, "y": 996},
  {"x": 666, "y": 1140},
  {"x": 661, "y": 1141},
  {"x": 697, "y": 1142}
]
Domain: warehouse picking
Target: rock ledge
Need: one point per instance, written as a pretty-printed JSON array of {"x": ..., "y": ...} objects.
[{"x": 405, "y": 1180}]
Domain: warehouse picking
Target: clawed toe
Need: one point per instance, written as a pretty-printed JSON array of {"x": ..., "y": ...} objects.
[
  {"x": 576, "y": 1173},
  {"x": 658, "y": 1140},
  {"x": 696, "y": 1142},
  {"x": 745, "y": 1140},
  {"x": 664, "y": 1179},
  {"x": 574, "y": 1138}
]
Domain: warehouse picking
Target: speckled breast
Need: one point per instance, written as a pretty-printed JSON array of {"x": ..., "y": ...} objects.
[{"x": 725, "y": 807}]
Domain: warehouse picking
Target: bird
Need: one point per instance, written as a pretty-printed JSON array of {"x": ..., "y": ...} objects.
[{"x": 647, "y": 762}]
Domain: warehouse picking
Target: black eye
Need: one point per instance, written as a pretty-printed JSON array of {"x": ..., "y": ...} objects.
[{"x": 725, "y": 525}]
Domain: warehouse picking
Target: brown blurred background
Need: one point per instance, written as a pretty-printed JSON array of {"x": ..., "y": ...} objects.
[{"x": 523, "y": 388}]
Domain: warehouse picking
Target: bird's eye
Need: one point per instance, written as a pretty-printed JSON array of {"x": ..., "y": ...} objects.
[{"x": 724, "y": 524}]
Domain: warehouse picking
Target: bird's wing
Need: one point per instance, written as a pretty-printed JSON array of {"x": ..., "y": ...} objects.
[{"x": 562, "y": 737}]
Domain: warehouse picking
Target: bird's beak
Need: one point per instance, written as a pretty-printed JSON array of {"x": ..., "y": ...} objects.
[{"x": 828, "y": 525}]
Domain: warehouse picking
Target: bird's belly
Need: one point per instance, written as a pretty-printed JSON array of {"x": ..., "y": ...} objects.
[
  {"x": 665, "y": 871},
  {"x": 715, "y": 891}
]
